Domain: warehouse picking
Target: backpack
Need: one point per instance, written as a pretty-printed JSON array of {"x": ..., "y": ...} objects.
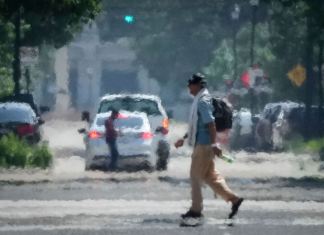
[{"x": 223, "y": 114}]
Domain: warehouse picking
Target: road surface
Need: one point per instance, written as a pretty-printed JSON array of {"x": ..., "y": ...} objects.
[{"x": 284, "y": 194}]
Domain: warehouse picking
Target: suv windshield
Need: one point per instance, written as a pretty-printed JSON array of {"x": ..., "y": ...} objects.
[{"x": 147, "y": 106}]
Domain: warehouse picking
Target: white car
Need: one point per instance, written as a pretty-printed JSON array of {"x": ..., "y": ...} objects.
[
  {"x": 158, "y": 120},
  {"x": 135, "y": 142}
]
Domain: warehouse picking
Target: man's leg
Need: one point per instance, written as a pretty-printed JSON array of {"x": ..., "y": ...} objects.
[
  {"x": 219, "y": 186},
  {"x": 197, "y": 174},
  {"x": 114, "y": 154},
  {"x": 214, "y": 179},
  {"x": 196, "y": 194}
]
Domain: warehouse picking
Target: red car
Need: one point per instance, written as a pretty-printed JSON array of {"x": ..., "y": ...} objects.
[{"x": 20, "y": 119}]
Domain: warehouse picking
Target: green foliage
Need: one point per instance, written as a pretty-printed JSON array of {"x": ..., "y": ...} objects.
[
  {"x": 6, "y": 83},
  {"x": 172, "y": 38},
  {"x": 294, "y": 24},
  {"x": 52, "y": 22},
  {"x": 17, "y": 153},
  {"x": 299, "y": 145},
  {"x": 42, "y": 22},
  {"x": 315, "y": 145},
  {"x": 6, "y": 36},
  {"x": 14, "y": 152},
  {"x": 41, "y": 157},
  {"x": 221, "y": 66}
]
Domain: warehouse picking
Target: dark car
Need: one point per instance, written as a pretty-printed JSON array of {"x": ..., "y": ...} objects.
[
  {"x": 281, "y": 121},
  {"x": 274, "y": 125},
  {"x": 20, "y": 119}
]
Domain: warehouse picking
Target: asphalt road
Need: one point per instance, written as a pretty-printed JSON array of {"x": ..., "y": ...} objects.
[{"x": 284, "y": 195}]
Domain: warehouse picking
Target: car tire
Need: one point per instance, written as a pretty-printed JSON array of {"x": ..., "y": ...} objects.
[
  {"x": 147, "y": 167},
  {"x": 163, "y": 154},
  {"x": 89, "y": 168}
]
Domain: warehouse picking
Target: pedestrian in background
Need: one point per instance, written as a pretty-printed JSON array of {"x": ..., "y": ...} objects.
[{"x": 111, "y": 138}]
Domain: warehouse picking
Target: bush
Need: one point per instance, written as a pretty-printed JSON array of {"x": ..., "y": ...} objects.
[
  {"x": 314, "y": 146},
  {"x": 15, "y": 152},
  {"x": 41, "y": 157}
]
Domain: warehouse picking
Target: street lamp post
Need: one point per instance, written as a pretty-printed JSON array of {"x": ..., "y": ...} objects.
[
  {"x": 235, "y": 14},
  {"x": 254, "y": 4}
]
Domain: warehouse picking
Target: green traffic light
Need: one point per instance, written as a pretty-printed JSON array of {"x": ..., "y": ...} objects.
[{"x": 129, "y": 19}]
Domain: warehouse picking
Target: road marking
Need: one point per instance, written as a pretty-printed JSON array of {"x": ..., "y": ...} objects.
[
  {"x": 59, "y": 208},
  {"x": 100, "y": 215},
  {"x": 128, "y": 224}
]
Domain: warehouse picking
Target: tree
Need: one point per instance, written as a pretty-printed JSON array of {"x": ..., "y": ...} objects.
[
  {"x": 299, "y": 28},
  {"x": 6, "y": 36},
  {"x": 48, "y": 21},
  {"x": 174, "y": 38},
  {"x": 171, "y": 38}
]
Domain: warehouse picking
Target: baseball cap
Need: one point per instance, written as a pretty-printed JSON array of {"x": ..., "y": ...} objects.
[{"x": 197, "y": 78}]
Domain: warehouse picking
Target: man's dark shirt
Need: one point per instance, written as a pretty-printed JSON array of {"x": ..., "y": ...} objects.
[{"x": 111, "y": 133}]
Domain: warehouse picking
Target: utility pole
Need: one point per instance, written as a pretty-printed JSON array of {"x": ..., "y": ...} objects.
[
  {"x": 235, "y": 14},
  {"x": 28, "y": 81},
  {"x": 17, "y": 45},
  {"x": 310, "y": 82},
  {"x": 254, "y": 4},
  {"x": 320, "y": 84}
]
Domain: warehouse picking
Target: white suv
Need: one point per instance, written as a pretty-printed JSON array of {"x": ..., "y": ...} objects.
[{"x": 157, "y": 116}]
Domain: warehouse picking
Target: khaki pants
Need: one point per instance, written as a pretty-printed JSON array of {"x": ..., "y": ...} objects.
[{"x": 203, "y": 171}]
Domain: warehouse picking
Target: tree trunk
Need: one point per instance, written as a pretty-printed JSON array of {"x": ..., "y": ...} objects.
[
  {"x": 254, "y": 10},
  {"x": 235, "y": 53},
  {"x": 17, "y": 44},
  {"x": 310, "y": 82},
  {"x": 320, "y": 88}
]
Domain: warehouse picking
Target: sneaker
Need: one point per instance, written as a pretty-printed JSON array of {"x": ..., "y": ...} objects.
[
  {"x": 192, "y": 214},
  {"x": 235, "y": 208}
]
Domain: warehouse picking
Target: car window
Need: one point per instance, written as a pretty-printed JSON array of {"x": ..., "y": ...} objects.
[
  {"x": 133, "y": 123},
  {"x": 124, "y": 123},
  {"x": 16, "y": 115},
  {"x": 147, "y": 106}
]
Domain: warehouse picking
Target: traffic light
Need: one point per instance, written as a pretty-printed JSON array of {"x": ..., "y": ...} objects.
[{"x": 129, "y": 19}]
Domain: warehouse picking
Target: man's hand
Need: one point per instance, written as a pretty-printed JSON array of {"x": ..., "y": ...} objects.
[
  {"x": 179, "y": 143},
  {"x": 217, "y": 151}
]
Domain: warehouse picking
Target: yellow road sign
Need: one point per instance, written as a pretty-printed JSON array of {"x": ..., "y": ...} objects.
[{"x": 297, "y": 75}]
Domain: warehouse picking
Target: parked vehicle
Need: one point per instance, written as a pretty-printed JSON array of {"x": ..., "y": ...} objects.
[
  {"x": 27, "y": 99},
  {"x": 276, "y": 122},
  {"x": 135, "y": 142},
  {"x": 20, "y": 119},
  {"x": 150, "y": 105}
]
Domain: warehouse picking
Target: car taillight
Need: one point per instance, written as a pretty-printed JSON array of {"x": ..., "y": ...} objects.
[
  {"x": 121, "y": 116},
  {"x": 146, "y": 135},
  {"x": 165, "y": 125},
  {"x": 25, "y": 129},
  {"x": 94, "y": 135}
]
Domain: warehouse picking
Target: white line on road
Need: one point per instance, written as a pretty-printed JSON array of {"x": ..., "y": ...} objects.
[
  {"x": 129, "y": 224},
  {"x": 59, "y": 208}
]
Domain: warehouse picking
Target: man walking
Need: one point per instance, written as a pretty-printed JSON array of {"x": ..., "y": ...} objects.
[
  {"x": 111, "y": 138},
  {"x": 202, "y": 136}
]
